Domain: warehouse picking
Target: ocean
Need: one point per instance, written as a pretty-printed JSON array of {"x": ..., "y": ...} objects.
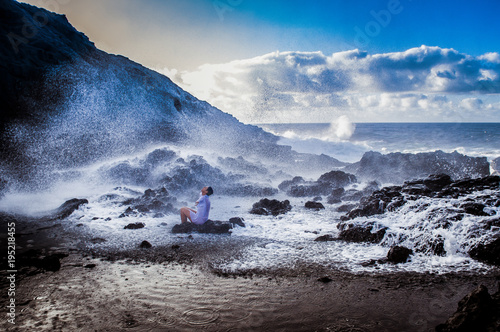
[{"x": 348, "y": 141}]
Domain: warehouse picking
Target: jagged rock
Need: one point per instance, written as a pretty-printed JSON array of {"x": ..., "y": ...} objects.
[
  {"x": 476, "y": 209},
  {"x": 136, "y": 225},
  {"x": 487, "y": 253},
  {"x": 314, "y": 205},
  {"x": 362, "y": 234},
  {"x": 237, "y": 221},
  {"x": 376, "y": 203},
  {"x": 210, "y": 226},
  {"x": 145, "y": 245},
  {"x": 68, "y": 207},
  {"x": 398, "y": 167},
  {"x": 399, "y": 254},
  {"x": 128, "y": 212},
  {"x": 271, "y": 207},
  {"x": 477, "y": 311},
  {"x": 323, "y": 186}
]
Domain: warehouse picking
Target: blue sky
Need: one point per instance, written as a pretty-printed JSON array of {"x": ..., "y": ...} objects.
[{"x": 236, "y": 54}]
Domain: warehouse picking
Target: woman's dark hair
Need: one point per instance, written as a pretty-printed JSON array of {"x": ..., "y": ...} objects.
[{"x": 210, "y": 191}]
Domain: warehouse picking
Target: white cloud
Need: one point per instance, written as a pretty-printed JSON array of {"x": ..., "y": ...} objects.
[{"x": 420, "y": 84}]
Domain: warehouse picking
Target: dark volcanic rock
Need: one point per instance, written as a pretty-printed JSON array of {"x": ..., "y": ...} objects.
[
  {"x": 487, "y": 253},
  {"x": 399, "y": 254},
  {"x": 145, "y": 245},
  {"x": 209, "y": 227},
  {"x": 362, "y": 234},
  {"x": 136, "y": 225},
  {"x": 399, "y": 167},
  {"x": 237, "y": 221},
  {"x": 68, "y": 207},
  {"x": 325, "y": 238},
  {"x": 323, "y": 186},
  {"x": 377, "y": 203},
  {"x": 477, "y": 311},
  {"x": 271, "y": 207},
  {"x": 314, "y": 205},
  {"x": 476, "y": 209}
]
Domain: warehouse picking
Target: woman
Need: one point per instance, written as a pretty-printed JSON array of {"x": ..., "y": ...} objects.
[{"x": 203, "y": 203}]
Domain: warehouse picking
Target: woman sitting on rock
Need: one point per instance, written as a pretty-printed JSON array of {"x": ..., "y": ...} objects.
[{"x": 203, "y": 203}]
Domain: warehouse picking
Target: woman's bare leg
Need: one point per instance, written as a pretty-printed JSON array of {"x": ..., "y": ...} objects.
[{"x": 186, "y": 214}]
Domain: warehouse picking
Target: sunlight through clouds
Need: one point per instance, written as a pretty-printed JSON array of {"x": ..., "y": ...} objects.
[{"x": 419, "y": 84}]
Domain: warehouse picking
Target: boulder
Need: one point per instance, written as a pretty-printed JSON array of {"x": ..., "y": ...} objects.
[
  {"x": 476, "y": 209},
  {"x": 136, "y": 225},
  {"x": 209, "y": 227},
  {"x": 314, "y": 205},
  {"x": 487, "y": 253},
  {"x": 363, "y": 233},
  {"x": 398, "y": 254},
  {"x": 145, "y": 245},
  {"x": 237, "y": 221},
  {"x": 477, "y": 311},
  {"x": 271, "y": 207}
]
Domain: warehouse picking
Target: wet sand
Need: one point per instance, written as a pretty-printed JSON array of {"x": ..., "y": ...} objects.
[{"x": 174, "y": 288}]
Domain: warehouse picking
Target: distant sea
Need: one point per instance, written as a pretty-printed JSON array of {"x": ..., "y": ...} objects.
[{"x": 349, "y": 141}]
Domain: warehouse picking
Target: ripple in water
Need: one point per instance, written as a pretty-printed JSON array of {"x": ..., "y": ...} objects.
[{"x": 200, "y": 316}]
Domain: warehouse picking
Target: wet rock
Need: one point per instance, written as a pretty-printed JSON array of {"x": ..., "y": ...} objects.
[
  {"x": 314, "y": 205},
  {"x": 136, "y": 225},
  {"x": 487, "y": 253},
  {"x": 128, "y": 212},
  {"x": 323, "y": 186},
  {"x": 477, "y": 311},
  {"x": 237, "y": 221},
  {"x": 399, "y": 167},
  {"x": 399, "y": 254},
  {"x": 325, "y": 238},
  {"x": 363, "y": 233},
  {"x": 68, "y": 207},
  {"x": 271, "y": 207},
  {"x": 145, "y": 245},
  {"x": 209, "y": 227},
  {"x": 376, "y": 203},
  {"x": 476, "y": 209},
  {"x": 90, "y": 266},
  {"x": 346, "y": 207}
]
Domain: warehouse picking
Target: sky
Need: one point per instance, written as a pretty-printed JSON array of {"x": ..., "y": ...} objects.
[{"x": 311, "y": 61}]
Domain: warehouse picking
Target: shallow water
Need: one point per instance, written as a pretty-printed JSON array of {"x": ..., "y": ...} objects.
[{"x": 148, "y": 297}]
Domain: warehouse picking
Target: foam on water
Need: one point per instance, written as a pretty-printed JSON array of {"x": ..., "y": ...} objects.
[{"x": 286, "y": 241}]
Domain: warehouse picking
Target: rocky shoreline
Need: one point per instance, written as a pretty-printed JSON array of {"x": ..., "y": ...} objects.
[{"x": 46, "y": 252}]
